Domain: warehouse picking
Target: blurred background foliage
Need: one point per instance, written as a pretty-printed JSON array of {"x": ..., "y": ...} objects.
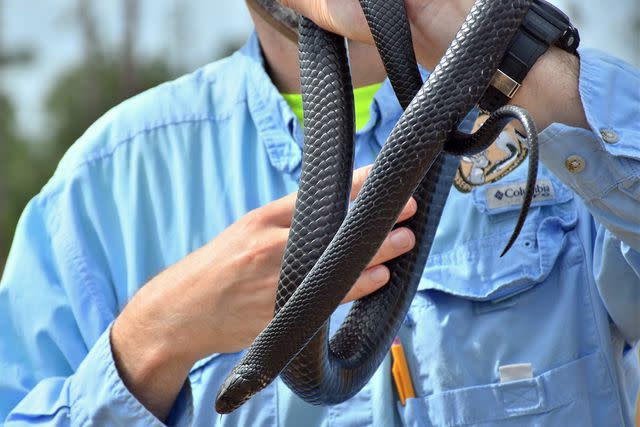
[
  {"x": 75, "y": 59},
  {"x": 105, "y": 74}
]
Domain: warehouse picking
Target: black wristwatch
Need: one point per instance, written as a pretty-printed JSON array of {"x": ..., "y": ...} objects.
[{"x": 544, "y": 25}]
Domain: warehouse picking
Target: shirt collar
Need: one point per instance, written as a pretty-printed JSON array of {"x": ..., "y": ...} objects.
[
  {"x": 278, "y": 126},
  {"x": 272, "y": 116}
]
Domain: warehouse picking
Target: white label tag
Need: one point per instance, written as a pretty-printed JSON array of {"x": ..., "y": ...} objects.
[
  {"x": 520, "y": 371},
  {"x": 512, "y": 194}
]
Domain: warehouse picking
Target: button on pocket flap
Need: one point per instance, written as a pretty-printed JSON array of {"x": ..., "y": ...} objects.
[{"x": 473, "y": 269}]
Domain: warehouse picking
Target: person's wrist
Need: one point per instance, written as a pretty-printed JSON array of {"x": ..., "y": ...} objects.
[
  {"x": 550, "y": 91},
  {"x": 152, "y": 368},
  {"x": 142, "y": 350}
]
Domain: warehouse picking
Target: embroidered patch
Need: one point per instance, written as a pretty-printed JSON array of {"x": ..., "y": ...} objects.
[
  {"x": 511, "y": 194},
  {"x": 493, "y": 164}
]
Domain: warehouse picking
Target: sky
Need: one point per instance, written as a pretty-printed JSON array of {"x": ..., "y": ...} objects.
[{"x": 47, "y": 26}]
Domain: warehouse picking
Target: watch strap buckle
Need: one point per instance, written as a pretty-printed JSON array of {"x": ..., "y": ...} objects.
[{"x": 505, "y": 84}]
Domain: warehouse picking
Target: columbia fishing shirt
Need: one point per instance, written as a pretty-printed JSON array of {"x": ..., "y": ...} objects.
[{"x": 546, "y": 335}]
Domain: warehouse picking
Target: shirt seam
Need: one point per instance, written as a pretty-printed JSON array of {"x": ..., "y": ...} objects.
[
  {"x": 71, "y": 171},
  {"x": 74, "y": 259},
  {"x": 615, "y": 185},
  {"x": 131, "y": 137},
  {"x": 77, "y": 398}
]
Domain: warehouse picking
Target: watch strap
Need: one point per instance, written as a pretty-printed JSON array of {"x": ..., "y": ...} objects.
[
  {"x": 539, "y": 30},
  {"x": 523, "y": 52}
]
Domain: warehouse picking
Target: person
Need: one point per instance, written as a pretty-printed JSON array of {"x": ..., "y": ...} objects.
[{"x": 150, "y": 259}]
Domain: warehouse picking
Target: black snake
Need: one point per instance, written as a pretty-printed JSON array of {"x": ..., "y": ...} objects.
[{"x": 329, "y": 247}]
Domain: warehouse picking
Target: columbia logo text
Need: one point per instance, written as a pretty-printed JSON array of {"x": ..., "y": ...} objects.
[{"x": 540, "y": 190}]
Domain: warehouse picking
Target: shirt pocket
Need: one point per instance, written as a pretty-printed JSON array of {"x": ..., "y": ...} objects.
[
  {"x": 207, "y": 375},
  {"x": 557, "y": 397},
  {"x": 475, "y": 312}
]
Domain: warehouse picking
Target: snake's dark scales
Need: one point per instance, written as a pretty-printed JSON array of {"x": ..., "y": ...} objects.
[{"x": 313, "y": 279}]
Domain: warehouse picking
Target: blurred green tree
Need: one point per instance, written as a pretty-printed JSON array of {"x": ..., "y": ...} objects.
[
  {"x": 16, "y": 159},
  {"x": 102, "y": 80},
  {"x": 77, "y": 98},
  {"x": 20, "y": 175},
  {"x": 104, "y": 77}
]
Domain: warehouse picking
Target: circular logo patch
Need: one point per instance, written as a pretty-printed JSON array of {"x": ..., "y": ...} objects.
[{"x": 501, "y": 158}]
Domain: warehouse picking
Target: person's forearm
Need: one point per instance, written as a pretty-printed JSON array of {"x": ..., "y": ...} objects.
[{"x": 549, "y": 92}]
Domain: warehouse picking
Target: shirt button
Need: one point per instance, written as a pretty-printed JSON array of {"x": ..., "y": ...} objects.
[
  {"x": 575, "y": 164},
  {"x": 609, "y": 136}
]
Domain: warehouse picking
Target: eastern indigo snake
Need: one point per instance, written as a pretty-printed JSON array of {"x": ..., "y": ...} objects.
[{"x": 330, "y": 244}]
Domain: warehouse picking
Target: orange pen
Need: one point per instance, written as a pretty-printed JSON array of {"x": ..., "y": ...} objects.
[{"x": 400, "y": 372}]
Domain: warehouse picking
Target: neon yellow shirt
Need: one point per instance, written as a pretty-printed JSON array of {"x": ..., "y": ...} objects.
[{"x": 363, "y": 98}]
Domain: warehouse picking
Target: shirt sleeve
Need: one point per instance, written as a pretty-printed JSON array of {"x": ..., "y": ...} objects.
[
  {"x": 55, "y": 316},
  {"x": 602, "y": 165}
]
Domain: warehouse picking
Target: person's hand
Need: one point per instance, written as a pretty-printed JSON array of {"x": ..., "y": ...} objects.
[
  {"x": 549, "y": 92},
  {"x": 434, "y": 23},
  {"x": 219, "y": 298}
]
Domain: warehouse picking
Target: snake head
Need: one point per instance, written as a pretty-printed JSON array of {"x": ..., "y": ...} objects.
[{"x": 241, "y": 384}]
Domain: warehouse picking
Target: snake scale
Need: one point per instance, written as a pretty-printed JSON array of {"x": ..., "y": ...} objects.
[{"x": 329, "y": 244}]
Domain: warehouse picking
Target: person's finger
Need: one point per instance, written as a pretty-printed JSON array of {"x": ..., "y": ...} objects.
[
  {"x": 359, "y": 176},
  {"x": 280, "y": 212},
  {"x": 369, "y": 281},
  {"x": 343, "y": 17},
  {"x": 409, "y": 210},
  {"x": 398, "y": 242}
]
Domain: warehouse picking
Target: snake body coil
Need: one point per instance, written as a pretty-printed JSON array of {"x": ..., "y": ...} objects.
[{"x": 328, "y": 248}]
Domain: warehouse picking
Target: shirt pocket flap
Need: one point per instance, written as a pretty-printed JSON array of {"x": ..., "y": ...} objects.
[{"x": 475, "y": 270}]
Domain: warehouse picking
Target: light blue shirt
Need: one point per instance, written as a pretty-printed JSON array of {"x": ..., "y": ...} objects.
[{"x": 167, "y": 171}]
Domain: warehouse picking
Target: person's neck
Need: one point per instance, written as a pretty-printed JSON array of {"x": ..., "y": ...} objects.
[{"x": 281, "y": 59}]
